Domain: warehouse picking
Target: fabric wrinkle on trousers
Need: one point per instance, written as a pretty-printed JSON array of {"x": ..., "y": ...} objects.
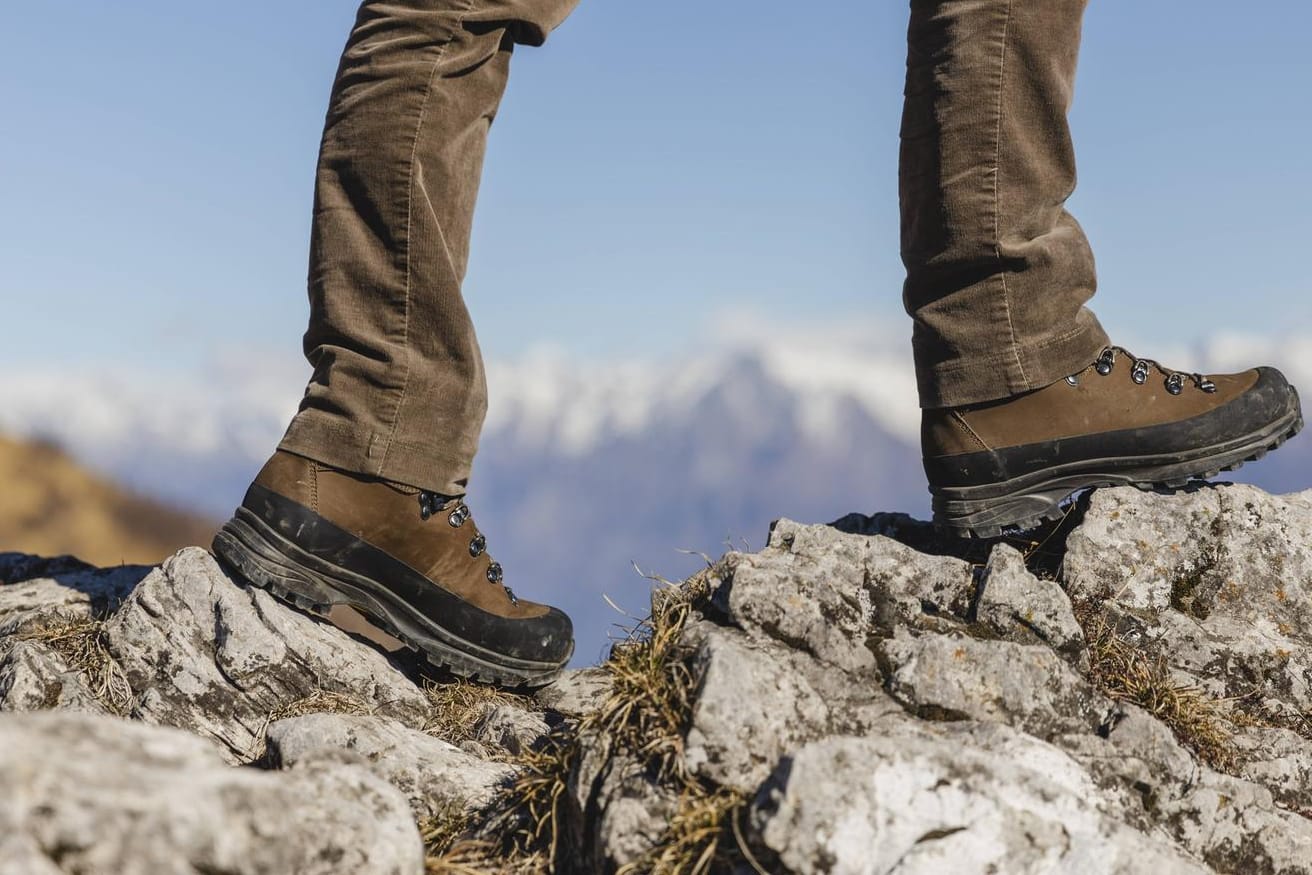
[
  {"x": 398, "y": 389},
  {"x": 997, "y": 271}
]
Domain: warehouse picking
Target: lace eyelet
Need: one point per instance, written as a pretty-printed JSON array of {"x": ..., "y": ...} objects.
[
  {"x": 458, "y": 516},
  {"x": 429, "y": 504},
  {"x": 477, "y": 546},
  {"x": 1073, "y": 379},
  {"x": 494, "y": 573},
  {"x": 1207, "y": 386},
  {"x": 1140, "y": 372},
  {"x": 1175, "y": 384},
  {"x": 1105, "y": 362}
]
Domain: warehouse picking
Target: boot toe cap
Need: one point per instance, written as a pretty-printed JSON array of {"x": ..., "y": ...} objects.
[
  {"x": 549, "y": 637},
  {"x": 1270, "y": 398}
]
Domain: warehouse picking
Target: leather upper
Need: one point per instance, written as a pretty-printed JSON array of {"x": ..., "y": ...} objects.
[
  {"x": 1094, "y": 404},
  {"x": 388, "y": 517}
]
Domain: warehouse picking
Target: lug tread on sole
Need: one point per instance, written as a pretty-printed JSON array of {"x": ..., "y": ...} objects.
[
  {"x": 259, "y": 572},
  {"x": 446, "y": 666},
  {"x": 1031, "y": 523}
]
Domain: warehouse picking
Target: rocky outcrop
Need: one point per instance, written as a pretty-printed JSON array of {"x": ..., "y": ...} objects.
[
  {"x": 967, "y": 798},
  {"x": 883, "y": 707},
  {"x": 207, "y": 655},
  {"x": 213, "y": 676},
  {"x": 433, "y": 774},
  {"x": 1129, "y": 691},
  {"x": 95, "y": 794},
  {"x": 35, "y": 587}
]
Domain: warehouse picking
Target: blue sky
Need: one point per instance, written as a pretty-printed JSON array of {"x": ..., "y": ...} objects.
[{"x": 653, "y": 166}]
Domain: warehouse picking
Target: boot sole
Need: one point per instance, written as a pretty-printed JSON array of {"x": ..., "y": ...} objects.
[
  {"x": 269, "y": 561},
  {"x": 1028, "y": 502}
]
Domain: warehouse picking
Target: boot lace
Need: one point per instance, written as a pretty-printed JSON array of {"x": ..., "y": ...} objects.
[
  {"x": 1142, "y": 367},
  {"x": 431, "y": 504}
]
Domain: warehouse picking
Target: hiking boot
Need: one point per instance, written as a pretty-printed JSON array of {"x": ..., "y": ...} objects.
[
  {"x": 1123, "y": 420},
  {"x": 410, "y": 561}
]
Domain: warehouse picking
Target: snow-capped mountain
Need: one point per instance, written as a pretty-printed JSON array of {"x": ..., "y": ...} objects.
[{"x": 588, "y": 468}]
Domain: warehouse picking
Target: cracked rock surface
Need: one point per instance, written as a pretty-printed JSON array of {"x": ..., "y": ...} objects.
[
  {"x": 1129, "y": 692},
  {"x": 99, "y": 794}
]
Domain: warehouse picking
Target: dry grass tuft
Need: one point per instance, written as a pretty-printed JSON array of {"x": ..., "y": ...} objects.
[
  {"x": 82, "y": 643},
  {"x": 645, "y": 716},
  {"x": 526, "y": 817},
  {"x": 1253, "y": 713},
  {"x": 1125, "y": 672},
  {"x": 456, "y": 707},
  {"x": 483, "y": 858},
  {"x": 536, "y": 797},
  {"x": 442, "y": 828},
  {"x": 320, "y": 702},
  {"x": 650, "y": 700},
  {"x": 451, "y": 852},
  {"x": 454, "y": 849},
  {"x": 698, "y": 838},
  {"x": 647, "y": 713}
]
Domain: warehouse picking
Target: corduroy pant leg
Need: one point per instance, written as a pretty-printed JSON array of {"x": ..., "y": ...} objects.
[
  {"x": 998, "y": 272},
  {"x": 398, "y": 389}
]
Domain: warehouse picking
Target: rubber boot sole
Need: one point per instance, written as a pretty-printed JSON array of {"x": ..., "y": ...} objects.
[
  {"x": 1027, "y": 502},
  {"x": 269, "y": 561}
]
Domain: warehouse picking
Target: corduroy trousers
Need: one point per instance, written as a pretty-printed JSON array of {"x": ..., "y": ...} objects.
[{"x": 998, "y": 272}]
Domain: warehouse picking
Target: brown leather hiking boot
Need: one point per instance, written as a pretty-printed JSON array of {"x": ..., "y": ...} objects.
[
  {"x": 1121, "y": 421},
  {"x": 412, "y": 562}
]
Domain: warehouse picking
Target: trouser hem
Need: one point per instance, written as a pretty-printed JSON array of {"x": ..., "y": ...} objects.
[
  {"x": 360, "y": 451},
  {"x": 957, "y": 383}
]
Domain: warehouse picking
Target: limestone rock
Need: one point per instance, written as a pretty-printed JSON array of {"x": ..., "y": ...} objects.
[
  {"x": 1024, "y": 608},
  {"x": 95, "y": 795},
  {"x": 752, "y": 708},
  {"x": 1215, "y": 579},
  {"x": 1280, "y": 760},
  {"x": 615, "y": 811},
  {"x": 19, "y": 856},
  {"x": 955, "y": 677},
  {"x": 962, "y": 799},
  {"x": 1235, "y": 826},
  {"x": 431, "y": 773},
  {"x": 35, "y": 678},
  {"x": 31, "y": 587},
  {"x": 217, "y": 659},
  {"x": 511, "y": 729},
  {"x": 1141, "y": 754},
  {"x": 880, "y": 698},
  {"x": 1202, "y": 550},
  {"x": 575, "y": 692},
  {"x": 824, "y": 592}
]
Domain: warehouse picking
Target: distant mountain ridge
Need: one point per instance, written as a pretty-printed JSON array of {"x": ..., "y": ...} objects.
[{"x": 588, "y": 468}]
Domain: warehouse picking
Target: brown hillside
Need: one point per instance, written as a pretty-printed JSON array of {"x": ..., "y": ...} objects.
[{"x": 50, "y": 505}]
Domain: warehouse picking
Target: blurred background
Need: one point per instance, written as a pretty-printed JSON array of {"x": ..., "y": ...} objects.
[{"x": 685, "y": 267}]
